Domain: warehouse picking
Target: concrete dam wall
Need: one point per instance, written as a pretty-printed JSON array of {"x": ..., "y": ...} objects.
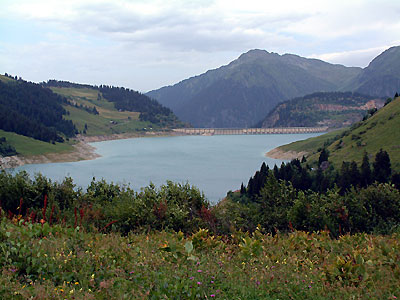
[{"x": 238, "y": 131}]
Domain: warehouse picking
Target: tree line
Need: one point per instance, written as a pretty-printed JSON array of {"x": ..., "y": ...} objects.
[{"x": 325, "y": 177}]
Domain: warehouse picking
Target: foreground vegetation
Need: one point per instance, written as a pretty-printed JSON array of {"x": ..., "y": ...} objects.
[
  {"x": 110, "y": 242},
  {"x": 44, "y": 261}
]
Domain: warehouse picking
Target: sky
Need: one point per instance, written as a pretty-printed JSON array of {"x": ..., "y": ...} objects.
[{"x": 147, "y": 44}]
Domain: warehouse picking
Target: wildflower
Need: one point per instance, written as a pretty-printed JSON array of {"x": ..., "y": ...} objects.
[
  {"x": 76, "y": 283},
  {"x": 198, "y": 283},
  {"x": 212, "y": 281},
  {"x": 212, "y": 295},
  {"x": 199, "y": 271},
  {"x": 191, "y": 278}
]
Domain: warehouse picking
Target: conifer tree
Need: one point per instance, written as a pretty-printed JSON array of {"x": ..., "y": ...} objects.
[
  {"x": 323, "y": 156},
  {"x": 242, "y": 189},
  {"x": 366, "y": 175},
  {"x": 382, "y": 167},
  {"x": 354, "y": 174}
]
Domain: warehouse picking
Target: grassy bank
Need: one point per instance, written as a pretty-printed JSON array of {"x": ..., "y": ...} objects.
[{"x": 28, "y": 146}]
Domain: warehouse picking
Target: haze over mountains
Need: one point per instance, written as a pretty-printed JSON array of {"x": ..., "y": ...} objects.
[{"x": 242, "y": 93}]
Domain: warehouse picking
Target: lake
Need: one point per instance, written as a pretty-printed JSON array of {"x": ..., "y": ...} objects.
[{"x": 214, "y": 164}]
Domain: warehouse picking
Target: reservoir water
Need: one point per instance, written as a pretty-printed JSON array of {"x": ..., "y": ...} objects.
[{"x": 214, "y": 164}]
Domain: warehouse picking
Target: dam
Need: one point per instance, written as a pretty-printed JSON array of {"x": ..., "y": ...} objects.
[{"x": 241, "y": 131}]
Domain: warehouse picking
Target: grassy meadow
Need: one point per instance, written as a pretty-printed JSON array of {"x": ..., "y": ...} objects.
[{"x": 108, "y": 121}]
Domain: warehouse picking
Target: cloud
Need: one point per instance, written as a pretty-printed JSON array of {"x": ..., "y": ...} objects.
[
  {"x": 180, "y": 25},
  {"x": 144, "y": 44},
  {"x": 359, "y": 58}
]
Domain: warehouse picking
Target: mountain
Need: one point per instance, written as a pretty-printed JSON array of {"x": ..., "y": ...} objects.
[
  {"x": 332, "y": 109},
  {"x": 244, "y": 91},
  {"x": 379, "y": 131},
  {"x": 381, "y": 77}
]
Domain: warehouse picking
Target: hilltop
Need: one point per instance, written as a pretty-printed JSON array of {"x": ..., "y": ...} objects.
[{"x": 378, "y": 131}]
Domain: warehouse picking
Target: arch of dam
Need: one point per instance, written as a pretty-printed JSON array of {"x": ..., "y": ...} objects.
[{"x": 237, "y": 131}]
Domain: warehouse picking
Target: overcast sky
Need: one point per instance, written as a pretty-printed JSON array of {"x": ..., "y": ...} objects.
[{"x": 147, "y": 44}]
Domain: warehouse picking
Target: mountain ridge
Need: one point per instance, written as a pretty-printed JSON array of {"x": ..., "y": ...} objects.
[{"x": 255, "y": 83}]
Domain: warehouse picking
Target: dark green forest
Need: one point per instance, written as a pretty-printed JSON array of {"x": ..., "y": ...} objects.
[{"x": 29, "y": 109}]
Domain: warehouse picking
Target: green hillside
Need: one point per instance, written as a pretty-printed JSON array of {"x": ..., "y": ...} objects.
[
  {"x": 120, "y": 111},
  {"x": 379, "y": 131},
  {"x": 28, "y": 146},
  {"x": 108, "y": 120}
]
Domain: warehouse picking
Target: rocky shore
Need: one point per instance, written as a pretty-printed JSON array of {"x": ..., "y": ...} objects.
[{"x": 278, "y": 153}]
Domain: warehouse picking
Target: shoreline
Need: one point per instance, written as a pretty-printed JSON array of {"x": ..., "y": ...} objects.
[
  {"x": 82, "y": 150},
  {"x": 278, "y": 153}
]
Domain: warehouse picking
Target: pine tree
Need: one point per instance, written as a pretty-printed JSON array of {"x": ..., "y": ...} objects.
[
  {"x": 366, "y": 175},
  {"x": 323, "y": 156},
  {"x": 345, "y": 177},
  {"x": 355, "y": 176},
  {"x": 264, "y": 169},
  {"x": 382, "y": 167},
  {"x": 242, "y": 189}
]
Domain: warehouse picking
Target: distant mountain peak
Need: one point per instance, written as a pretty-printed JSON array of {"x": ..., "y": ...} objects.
[
  {"x": 254, "y": 53},
  {"x": 244, "y": 91}
]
